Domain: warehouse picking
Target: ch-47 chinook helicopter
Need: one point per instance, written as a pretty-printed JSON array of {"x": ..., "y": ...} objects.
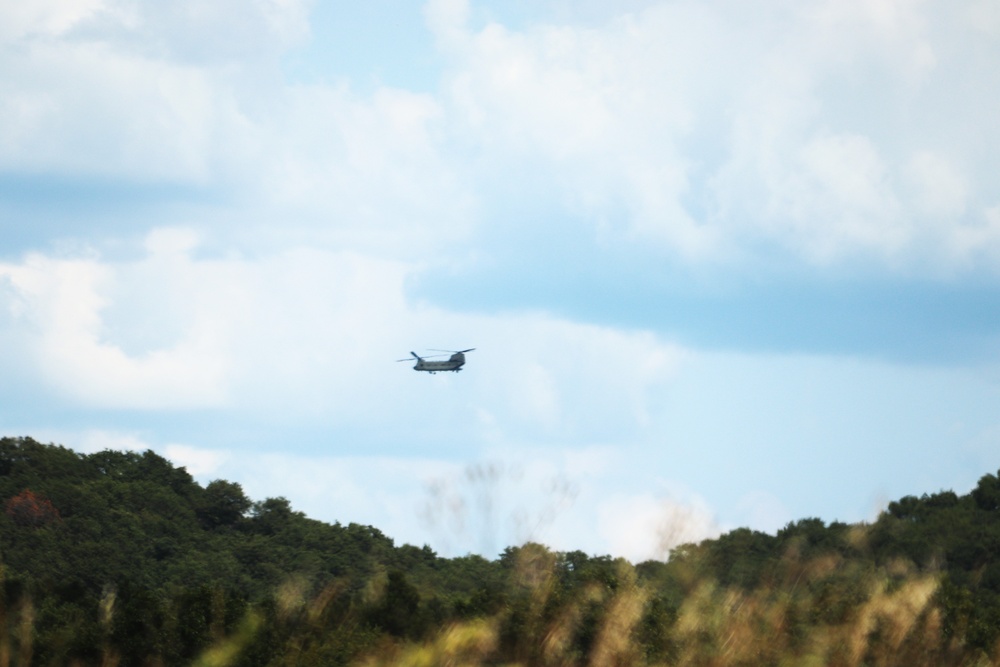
[{"x": 454, "y": 363}]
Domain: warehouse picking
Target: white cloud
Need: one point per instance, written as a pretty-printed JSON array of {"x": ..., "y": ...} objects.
[
  {"x": 278, "y": 296},
  {"x": 941, "y": 191},
  {"x": 45, "y": 17},
  {"x": 447, "y": 20},
  {"x": 171, "y": 242},
  {"x": 762, "y": 511},
  {"x": 361, "y": 171},
  {"x": 701, "y": 129},
  {"x": 604, "y": 109},
  {"x": 311, "y": 334},
  {"x": 643, "y": 527},
  {"x": 219, "y": 31},
  {"x": 126, "y": 100},
  {"x": 571, "y": 380},
  {"x": 84, "y": 109},
  {"x": 536, "y": 397},
  {"x": 479, "y": 507},
  {"x": 983, "y": 16},
  {"x": 840, "y": 198},
  {"x": 60, "y": 302},
  {"x": 92, "y": 441},
  {"x": 199, "y": 462},
  {"x": 707, "y": 129}
]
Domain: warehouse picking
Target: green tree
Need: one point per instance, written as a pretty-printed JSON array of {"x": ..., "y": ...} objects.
[
  {"x": 987, "y": 493},
  {"x": 397, "y": 611},
  {"x": 222, "y": 504}
]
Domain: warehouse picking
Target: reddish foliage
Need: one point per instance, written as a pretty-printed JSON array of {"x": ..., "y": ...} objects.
[{"x": 29, "y": 509}]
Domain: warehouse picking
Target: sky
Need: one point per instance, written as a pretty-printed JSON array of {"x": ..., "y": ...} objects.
[{"x": 723, "y": 264}]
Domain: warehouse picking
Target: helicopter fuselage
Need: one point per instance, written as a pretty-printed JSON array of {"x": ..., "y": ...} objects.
[{"x": 454, "y": 363}]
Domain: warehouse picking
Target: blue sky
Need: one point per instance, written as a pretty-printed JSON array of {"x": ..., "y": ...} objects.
[{"x": 723, "y": 264}]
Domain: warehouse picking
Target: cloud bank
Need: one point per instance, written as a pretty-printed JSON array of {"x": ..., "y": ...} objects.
[{"x": 644, "y": 219}]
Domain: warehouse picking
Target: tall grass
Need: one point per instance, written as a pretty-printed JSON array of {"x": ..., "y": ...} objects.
[
  {"x": 824, "y": 611},
  {"x": 820, "y": 612}
]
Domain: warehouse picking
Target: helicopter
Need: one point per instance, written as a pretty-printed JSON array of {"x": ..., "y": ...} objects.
[{"x": 454, "y": 363}]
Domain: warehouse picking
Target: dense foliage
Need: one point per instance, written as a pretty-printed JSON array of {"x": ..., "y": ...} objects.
[{"x": 122, "y": 558}]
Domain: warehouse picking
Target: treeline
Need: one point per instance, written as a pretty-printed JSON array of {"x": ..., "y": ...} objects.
[
  {"x": 121, "y": 558},
  {"x": 123, "y": 553}
]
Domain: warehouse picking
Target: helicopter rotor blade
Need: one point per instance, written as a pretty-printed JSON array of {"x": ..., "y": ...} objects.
[
  {"x": 429, "y": 356},
  {"x": 453, "y": 351}
]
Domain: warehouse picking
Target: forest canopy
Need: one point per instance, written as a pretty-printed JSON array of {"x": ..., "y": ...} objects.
[{"x": 122, "y": 557}]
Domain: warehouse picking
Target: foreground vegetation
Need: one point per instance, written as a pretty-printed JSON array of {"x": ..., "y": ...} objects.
[{"x": 120, "y": 558}]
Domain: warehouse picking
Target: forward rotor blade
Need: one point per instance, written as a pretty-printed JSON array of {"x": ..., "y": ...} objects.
[{"x": 429, "y": 356}]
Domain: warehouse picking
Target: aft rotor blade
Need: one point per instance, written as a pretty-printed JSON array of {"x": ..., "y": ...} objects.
[{"x": 452, "y": 351}]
